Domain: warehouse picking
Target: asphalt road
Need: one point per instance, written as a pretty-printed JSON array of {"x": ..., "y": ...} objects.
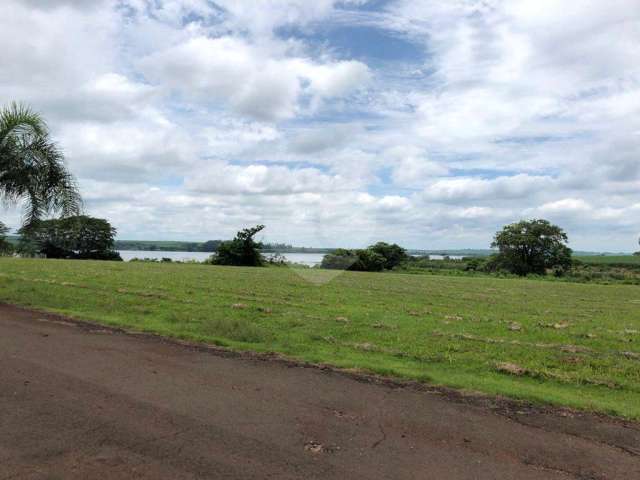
[{"x": 82, "y": 402}]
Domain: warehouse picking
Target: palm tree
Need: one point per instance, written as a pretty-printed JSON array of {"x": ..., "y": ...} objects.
[{"x": 32, "y": 168}]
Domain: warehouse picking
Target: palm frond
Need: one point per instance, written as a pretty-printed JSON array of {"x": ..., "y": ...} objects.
[
  {"x": 32, "y": 167},
  {"x": 18, "y": 118}
]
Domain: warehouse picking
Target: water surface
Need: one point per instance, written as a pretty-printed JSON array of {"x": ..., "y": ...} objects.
[{"x": 309, "y": 259}]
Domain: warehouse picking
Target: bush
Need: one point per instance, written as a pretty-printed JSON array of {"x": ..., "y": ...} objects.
[
  {"x": 5, "y": 247},
  {"x": 362, "y": 260},
  {"x": 242, "y": 251},
  {"x": 340, "y": 259},
  {"x": 473, "y": 264}
]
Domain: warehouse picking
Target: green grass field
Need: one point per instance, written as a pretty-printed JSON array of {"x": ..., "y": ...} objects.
[
  {"x": 558, "y": 342},
  {"x": 611, "y": 259}
]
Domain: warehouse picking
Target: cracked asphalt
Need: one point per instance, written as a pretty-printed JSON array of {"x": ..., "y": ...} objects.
[{"x": 79, "y": 401}]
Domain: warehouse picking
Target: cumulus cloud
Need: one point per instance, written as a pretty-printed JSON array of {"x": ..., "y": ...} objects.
[
  {"x": 324, "y": 138},
  {"x": 454, "y": 190},
  {"x": 333, "y": 79},
  {"x": 265, "y": 180},
  {"x": 129, "y": 151},
  {"x": 274, "y": 13},
  {"x": 246, "y": 78},
  {"x": 62, "y": 55},
  {"x": 225, "y": 69},
  {"x": 411, "y": 168}
]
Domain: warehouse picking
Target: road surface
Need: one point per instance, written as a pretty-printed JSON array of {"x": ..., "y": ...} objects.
[{"x": 82, "y": 402}]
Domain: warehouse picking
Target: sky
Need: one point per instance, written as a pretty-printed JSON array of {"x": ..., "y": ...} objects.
[{"x": 339, "y": 123}]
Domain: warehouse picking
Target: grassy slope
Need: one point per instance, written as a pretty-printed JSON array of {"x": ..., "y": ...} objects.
[{"x": 442, "y": 329}]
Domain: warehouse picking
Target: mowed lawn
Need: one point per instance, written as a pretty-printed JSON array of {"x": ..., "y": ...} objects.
[{"x": 569, "y": 344}]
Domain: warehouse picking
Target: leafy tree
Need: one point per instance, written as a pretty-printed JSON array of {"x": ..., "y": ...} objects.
[
  {"x": 531, "y": 247},
  {"x": 32, "y": 168},
  {"x": 5, "y": 246},
  {"x": 242, "y": 251},
  {"x": 393, "y": 254},
  {"x": 78, "y": 237},
  {"x": 368, "y": 261}
]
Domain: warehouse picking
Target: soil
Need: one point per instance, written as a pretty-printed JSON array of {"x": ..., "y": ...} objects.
[{"x": 81, "y": 401}]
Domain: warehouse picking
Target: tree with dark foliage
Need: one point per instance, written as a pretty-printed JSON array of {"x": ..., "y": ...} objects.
[
  {"x": 78, "y": 237},
  {"x": 393, "y": 254},
  {"x": 242, "y": 251},
  {"x": 368, "y": 261},
  {"x": 378, "y": 257},
  {"x": 533, "y": 246},
  {"x": 362, "y": 260}
]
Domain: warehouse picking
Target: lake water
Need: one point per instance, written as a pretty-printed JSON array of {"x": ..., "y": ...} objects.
[{"x": 309, "y": 259}]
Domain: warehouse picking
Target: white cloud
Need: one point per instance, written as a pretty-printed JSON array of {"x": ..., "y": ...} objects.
[
  {"x": 262, "y": 179},
  {"x": 128, "y": 151},
  {"x": 454, "y": 190},
  {"x": 411, "y": 168},
  {"x": 334, "y": 79},
  {"x": 394, "y": 203},
  {"x": 321, "y": 139},
  {"x": 566, "y": 205},
  {"x": 254, "y": 82},
  {"x": 226, "y": 69},
  {"x": 63, "y": 53},
  {"x": 261, "y": 17}
]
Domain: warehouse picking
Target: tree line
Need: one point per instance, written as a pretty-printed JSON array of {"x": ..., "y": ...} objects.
[
  {"x": 168, "y": 246},
  {"x": 523, "y": 248}
]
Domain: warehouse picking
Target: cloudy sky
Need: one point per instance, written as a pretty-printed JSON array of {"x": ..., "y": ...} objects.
[{"x": 428, "y": 123}]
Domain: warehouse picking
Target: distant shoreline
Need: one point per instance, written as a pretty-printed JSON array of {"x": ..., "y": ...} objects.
[
  {"x": 178, "y": 246},
  {"x": 185, "y": 246}
]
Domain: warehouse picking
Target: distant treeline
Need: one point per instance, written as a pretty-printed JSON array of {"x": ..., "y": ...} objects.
[
  {"x": 167, "y": 246},
  {"x": 208, "y": 246},
  {"x": 464, "y": 252},
  {"x": 212, "y": 246},
  {"x": 279, "y": 248}
]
